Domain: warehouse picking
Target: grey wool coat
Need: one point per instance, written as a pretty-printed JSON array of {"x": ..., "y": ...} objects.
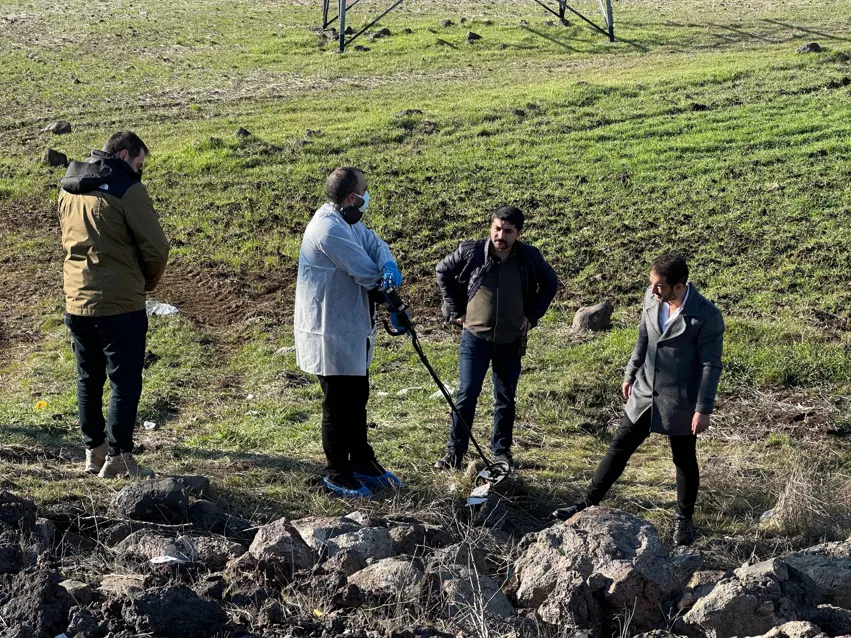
[{"x": 676, "y": 373}]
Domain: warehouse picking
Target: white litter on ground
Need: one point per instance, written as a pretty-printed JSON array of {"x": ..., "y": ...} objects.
[
  {"x": 149, "y": 425},
  {"x": 162, "y": 560},
  {"x": 450, "y": 388},
  {"x": 159, "y": 309}
]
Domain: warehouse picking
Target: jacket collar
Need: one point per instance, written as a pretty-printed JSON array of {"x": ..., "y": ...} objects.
[
  {"x": 691, "y": 308},
  {"x": 516, "y": 249},
  {"x": 114, "y": 162}
]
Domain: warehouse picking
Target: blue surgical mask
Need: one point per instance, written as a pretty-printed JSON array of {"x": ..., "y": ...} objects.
[{"x": 365, "y": 204}]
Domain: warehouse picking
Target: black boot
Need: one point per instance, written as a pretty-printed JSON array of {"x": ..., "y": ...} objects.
[
  {"x": 564, "y": 513},
  {"x": 450, "y": 461},
  {"x": 683, "y": 530},
  {"x": 506, "y": 458}
]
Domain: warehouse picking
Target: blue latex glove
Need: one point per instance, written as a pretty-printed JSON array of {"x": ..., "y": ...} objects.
[
  {"x": 390, "y": 275},
  {"x": 400, "y": 324}
]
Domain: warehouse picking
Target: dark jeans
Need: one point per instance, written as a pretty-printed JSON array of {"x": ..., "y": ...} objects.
[
  {"x": 344, "y": 426},
  {"x": 475, "y": 357},
  {"x": 109, "y": 347},
  {"x": 626, "y": 440}
]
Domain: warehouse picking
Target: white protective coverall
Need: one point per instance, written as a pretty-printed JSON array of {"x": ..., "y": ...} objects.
[{"x": 337, "y": 265}]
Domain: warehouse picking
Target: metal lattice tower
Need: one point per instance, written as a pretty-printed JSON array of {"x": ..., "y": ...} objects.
[{"x": 560, "y": 11}]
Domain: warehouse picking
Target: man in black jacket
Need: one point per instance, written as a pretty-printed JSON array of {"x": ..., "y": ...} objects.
[{"x": 496, "y": 289}]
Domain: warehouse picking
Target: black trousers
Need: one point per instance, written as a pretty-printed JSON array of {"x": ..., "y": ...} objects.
[
  {"x": 625, "y": 442},
  {"x": 109, "y": 347},
  {"x": 344, "y": 428}
]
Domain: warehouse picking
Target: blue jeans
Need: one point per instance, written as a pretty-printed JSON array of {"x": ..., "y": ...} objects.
[
  {"x": 110, "y": 347},
  {"x": 476, "y": 355}
]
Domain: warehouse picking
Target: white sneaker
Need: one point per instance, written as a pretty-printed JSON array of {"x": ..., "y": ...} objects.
[
  {"x": 96, "y": 457},
  {"x": 123, "y": 464}
]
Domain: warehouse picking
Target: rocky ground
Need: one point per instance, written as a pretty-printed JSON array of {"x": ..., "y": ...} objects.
[{"x": 165, "y": 562}]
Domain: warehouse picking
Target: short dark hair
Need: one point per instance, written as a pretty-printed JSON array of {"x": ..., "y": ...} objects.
[
  {"x": 672, "y": 267},
  {"x": 510, "y": 214},
  {"x": 125, "y": 141},
  {"x": 341, "y": 182}
]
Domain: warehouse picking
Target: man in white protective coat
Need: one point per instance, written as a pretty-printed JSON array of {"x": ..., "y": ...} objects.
[{"x": 339, "y": 263}]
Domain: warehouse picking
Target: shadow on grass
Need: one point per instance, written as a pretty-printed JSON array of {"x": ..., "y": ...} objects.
[{"x": 820, "y": 34}]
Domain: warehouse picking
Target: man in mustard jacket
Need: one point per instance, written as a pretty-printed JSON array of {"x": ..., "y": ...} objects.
[{"x": 115, "y": 251}]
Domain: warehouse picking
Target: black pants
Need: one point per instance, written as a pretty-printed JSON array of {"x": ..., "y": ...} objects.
[
  {"x": 344, "y": 426},
  {"x": 626, "y": 441},
  {"x": 109, "y": 347}
]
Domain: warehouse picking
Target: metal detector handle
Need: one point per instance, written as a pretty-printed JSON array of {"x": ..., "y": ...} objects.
[{"x": 390, "y": 299}]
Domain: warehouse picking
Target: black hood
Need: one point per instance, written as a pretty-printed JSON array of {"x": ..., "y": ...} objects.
[{"x": 98, "y": 170}]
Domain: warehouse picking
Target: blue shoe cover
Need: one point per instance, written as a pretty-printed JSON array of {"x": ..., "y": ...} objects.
[
  {"x": 388, "y": 479},
  {"x": 363, "y": 492}
]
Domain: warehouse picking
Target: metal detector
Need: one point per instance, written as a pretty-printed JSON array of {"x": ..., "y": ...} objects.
[{"x": 494, "y": 472}]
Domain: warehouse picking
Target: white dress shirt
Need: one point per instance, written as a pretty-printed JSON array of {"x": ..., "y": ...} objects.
[{"x": 665, "y": 314}]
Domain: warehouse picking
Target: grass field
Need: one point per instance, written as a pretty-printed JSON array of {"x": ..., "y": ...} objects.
[{"x": 703, "y": 129}]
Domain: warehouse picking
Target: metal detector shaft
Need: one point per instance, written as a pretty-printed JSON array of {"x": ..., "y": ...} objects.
[{"x": 416, "y": 343}]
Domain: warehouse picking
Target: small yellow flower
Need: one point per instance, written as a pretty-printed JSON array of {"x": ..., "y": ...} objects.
[
  {"x": 317, "y": 613},
  {"x": 40, "y": 405}
]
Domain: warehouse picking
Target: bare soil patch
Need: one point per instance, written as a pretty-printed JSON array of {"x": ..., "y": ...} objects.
[{"x": 26, "y": 279}]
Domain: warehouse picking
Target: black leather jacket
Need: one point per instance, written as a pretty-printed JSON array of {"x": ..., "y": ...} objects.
[{"x": 460, "y": 274}]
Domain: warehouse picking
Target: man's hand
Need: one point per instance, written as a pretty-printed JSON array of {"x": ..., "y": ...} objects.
[
  {"x": 626, "y": 388},
  {"x": 400, "y": 321},
  {"x": 461, "y": 320},
  {"x": 525, "y": 325},
  {"x": 699, "y": 423},
  {"x": 390, "y": 275}
]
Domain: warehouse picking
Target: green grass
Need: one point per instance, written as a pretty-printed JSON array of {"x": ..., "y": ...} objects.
[{"x": 701, "y": 130}]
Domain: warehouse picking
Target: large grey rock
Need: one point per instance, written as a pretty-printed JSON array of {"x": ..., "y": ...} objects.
[
  {"x": 699, "y": 585},
  {"x": 753, "y": 601},
  {"x": 281, "y": 551},
  {"x": 122, "y": 585},
  {"x": 829, "y": 565},
  {"x": 462, "y": 554},
  {"x": 389, "y": 579},
  {"x": 835, "y": 621},
  {"x": 39, "y": 605},
  {"x": 60, "y": 127},
  {"x": 52, "y": 157},
  {"x": 318, "y": 530},
  {"x": 346, "y": 562},
  {"x": 468, "y": 594},
  {"x": 594, "y": 318},
  {"x": 214, "y": 552},
  {"x": 795, "y": 629},
  {"x": 408, "y": 539},
  {"x": 369, "y": 542},
  {"x": 619, "y": 558},
  {"x": 146, "y": 544},
  {"x": 162, "y": 500},
  {"x": 573, "y": 603},
  {"x": 197, "y": 486},
  {"x": 176, "y": 612},
  {"x": 80, "y": 591}
]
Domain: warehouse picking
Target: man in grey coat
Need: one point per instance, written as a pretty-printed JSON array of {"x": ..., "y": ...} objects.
[{"x": 669, "y": 386}]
